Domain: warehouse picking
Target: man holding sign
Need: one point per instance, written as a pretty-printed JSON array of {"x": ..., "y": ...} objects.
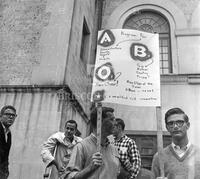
[
  {"x": 127, "y": 73},
  {"x": 88, "y": 163}
]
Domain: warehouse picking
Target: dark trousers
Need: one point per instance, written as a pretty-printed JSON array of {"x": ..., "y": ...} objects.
[
  {"x": 123, "y": 174},
  {"x": 4, "y": 172}
]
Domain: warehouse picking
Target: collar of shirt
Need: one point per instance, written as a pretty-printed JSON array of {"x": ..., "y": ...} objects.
[
  {"x": 6, "y": 130},
  {"x": 176, "y": 147},
  {"x": 74, "y": 141},
  {"x": 181, "y": 151},
  {"x": 120, "y": 139}
]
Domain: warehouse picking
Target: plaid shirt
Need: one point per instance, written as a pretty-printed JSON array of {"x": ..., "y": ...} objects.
[{"x": 129, "y": 155}]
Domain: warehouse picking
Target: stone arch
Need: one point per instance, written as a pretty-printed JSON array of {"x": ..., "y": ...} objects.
[{"x": 168, "y": 9}]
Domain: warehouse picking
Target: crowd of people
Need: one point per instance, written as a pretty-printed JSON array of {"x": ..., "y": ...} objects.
[{"x": 68, "y": 156}]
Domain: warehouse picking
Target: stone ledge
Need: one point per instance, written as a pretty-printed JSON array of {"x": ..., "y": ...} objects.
[
  {"x": 180, "y": 79},
  {"x": 187, "y": 32},
  {"x": 64, "y": 93}
]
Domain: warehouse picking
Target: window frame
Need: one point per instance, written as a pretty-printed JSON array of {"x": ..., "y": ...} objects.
[
  {"x": 163, "y": 35},
  {"x": 85, "y": 42}
]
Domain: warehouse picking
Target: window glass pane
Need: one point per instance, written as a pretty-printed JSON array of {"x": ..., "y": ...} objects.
[
  {"x": 164, "y": 56},
  {"x": 165, "y": 71},
  {"x": 165, "y": 64},
  {"x": 165, "y": 49},
  {"x": 165, "y": 42},
  {"x": 161, "y": 71}
]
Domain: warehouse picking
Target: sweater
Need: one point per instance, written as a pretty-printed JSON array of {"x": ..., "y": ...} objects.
[{"x": 175, "y": 167}]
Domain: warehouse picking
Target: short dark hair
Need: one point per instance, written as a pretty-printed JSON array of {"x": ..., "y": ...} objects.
[
  {"x": 173, "y": 111},
  {"x": 120, "y": 122},
  {"x": 72, "y": 122},
  {"x": 93, "y": 114},
  {"x": 7, "y": 107}
]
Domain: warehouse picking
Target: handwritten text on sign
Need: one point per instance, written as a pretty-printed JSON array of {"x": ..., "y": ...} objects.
[{"x": 127, "y": 68}]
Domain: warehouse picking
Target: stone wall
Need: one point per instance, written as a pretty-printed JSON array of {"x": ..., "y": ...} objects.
[
  {"x": 187, "y": 6},
  {"x": 22, "y": 24},
  {"x": 76, "y": 73},
  {"x": 40, "y": 42}
]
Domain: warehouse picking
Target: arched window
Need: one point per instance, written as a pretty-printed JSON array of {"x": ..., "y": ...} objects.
[{"x": 153, "y": 22}]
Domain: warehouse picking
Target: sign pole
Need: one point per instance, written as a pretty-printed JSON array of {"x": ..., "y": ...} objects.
[
  {"x": 160, "y": 140},
  {"x": 99, "y": 123}
]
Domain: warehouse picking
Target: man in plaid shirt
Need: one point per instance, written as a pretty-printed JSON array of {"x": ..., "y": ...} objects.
[{"x": 128, "y": 151}]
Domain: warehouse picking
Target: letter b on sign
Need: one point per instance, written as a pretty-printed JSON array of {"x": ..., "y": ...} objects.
[{"x": 140, "y": 52}]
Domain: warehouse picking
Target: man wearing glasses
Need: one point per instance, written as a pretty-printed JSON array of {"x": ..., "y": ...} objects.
[
  {"x": 181, "y": 158},
  {"x": 56, "y": 151},
  {"x": 7, "y": 118}
]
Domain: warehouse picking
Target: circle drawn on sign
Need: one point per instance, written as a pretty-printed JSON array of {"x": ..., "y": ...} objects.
[{"x": 104, "y": 72}]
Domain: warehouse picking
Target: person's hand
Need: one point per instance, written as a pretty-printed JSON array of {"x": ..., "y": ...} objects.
[
  {"x": 61, "y": 170},
  {"x": 128, "y": 165},
  {"x": 53, "y": 162},
  {"x": 96, "y": 160}
]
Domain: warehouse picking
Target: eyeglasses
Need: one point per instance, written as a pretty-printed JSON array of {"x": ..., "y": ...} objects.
[
  {"x": 179, "y": 123},
  {"x": 10, "y": 115}
]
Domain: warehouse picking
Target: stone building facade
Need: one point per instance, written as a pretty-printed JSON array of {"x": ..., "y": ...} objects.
[{"x": 45, "y": 47}]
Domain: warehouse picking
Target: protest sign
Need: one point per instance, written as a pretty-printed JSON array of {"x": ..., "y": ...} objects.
[{"x": 127, "y": 68}]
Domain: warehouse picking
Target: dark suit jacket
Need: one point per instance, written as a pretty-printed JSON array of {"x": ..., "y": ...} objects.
[{"x": 4, "y": 150}]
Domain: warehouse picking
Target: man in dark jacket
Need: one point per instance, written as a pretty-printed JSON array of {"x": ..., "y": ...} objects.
[{"x": 7, "y": 118}]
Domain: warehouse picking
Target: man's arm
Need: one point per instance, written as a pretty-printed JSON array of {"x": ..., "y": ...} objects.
[
  {"x": 133, "y": 165},
  {"x": 95, "y": 163},
  {"x": 155, "y": 168},
  {"x": 75, "y": 168},
  {"x": 48, "y": 150}
]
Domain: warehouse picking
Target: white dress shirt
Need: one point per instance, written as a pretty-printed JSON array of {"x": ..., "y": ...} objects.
[{"x": 181, "y": 151}]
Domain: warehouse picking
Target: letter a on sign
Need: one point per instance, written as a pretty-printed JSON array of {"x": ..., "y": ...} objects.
[{"x": 106, "y": 39}]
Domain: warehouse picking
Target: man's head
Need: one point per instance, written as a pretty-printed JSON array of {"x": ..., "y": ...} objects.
[
  {"x": 177, "y": 123},
  {"x": 70, "y": 129},
  {"x": 8, "y": 115},
  {"x": 118, "y": 127},
  {"x": 107, "y": 119}
]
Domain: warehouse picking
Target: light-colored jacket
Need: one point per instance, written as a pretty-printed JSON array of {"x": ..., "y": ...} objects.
[{"x": 58, "y": 148}]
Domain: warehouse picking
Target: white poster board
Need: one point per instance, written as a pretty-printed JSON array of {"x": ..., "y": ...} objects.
[{"x": 127, "y": 68}]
